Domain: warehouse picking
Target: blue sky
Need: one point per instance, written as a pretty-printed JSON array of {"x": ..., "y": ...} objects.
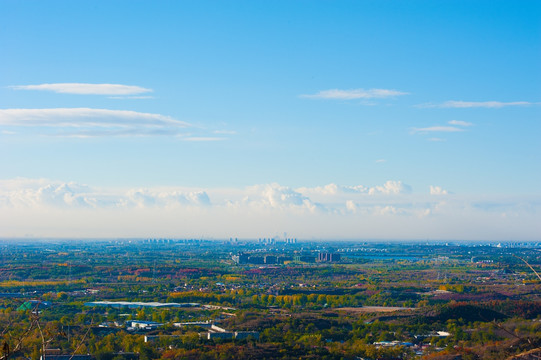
[{"x": 260, "y": 106}]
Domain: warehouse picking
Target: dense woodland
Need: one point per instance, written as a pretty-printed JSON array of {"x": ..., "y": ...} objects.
[{"x": 381, "y": 301}]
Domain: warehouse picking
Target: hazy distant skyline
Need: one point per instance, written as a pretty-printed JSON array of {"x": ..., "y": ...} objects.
[{"x": 345, "y": 119}]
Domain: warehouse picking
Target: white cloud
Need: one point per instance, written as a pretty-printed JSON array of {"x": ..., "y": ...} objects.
[
  {"x": 379, "y": 161},
  {"x": 86, "y": 89},
  {"x": 275, "y": 196},
  {"x": 436, "y": 129},
  {"x": 477, "y": 104},
  {"x": 355, "y": 94},
  {"x": 460, "y": 123},
  {"x": 333, "y": 189},
  {"x": 89, "y": 122},
  {"x": 350, "y": 206},
  {"x": 66, "y": 209},
  {"x": 388, "y": 188},
  {"x": 458, "y": 127},
  {"x": 41, "y": 192},
  {"x": 143, "y": 198},
  {"x": 121, "y": 132},
  {"x": 436, "y": 190},
  {"x": 78, "y": 117}
]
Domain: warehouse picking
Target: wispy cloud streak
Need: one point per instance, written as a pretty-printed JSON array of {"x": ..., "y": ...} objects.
[
  {"x": 338, "y": 94},
  {"x": 460, "y": 123},
  {"x": 77, "y": 117},
  {"x": 436, "y": 129},
  {"x": 86, "y": 89},
  {"x": 88, "y": 122}
]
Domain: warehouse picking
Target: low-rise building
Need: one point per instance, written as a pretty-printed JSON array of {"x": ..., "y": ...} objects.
[
  {"x": 216, "y": 332},
  {"x": 145, "y": 325},
  {"x": 241, "y": 335},
  {"x": 220, "y": 335}
]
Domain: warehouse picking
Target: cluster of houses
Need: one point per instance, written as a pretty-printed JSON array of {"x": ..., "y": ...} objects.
[
  {"x": 418, "y": 348},
  {"x": 214, "y": 331}
]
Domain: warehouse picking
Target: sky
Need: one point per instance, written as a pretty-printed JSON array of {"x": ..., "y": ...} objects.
[{"x": 415, "y": 120}]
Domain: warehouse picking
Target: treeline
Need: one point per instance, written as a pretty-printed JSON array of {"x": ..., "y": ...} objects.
[
  {"x": 361, "y": 298},
  {"x": 311, "y": 300}
]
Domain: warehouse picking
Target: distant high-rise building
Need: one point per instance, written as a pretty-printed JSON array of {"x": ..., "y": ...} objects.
[
  {"x": 241, "y": 258},
  {"x": 328, "y": 257}
]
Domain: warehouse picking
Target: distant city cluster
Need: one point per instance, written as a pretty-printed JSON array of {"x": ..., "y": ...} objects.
[
  {"x": 267, "y": 241},
  {"x": 255, "y": 258},
  {"x": 174, "y": 241}
]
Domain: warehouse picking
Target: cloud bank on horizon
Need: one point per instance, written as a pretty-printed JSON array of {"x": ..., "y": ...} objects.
[{"x": 40, "y": 207}]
